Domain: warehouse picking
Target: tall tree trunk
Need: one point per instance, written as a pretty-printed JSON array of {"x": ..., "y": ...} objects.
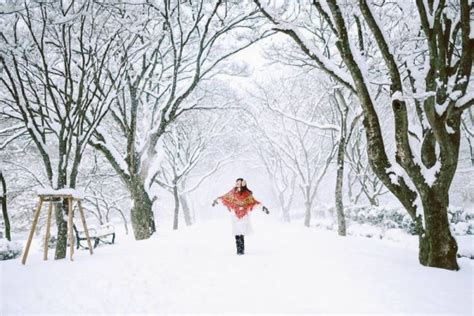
[
  {"x": 176, "y": 207},
  {"x": 3, "y": 200},
  {"x": 307, "y": 214},
  {"x": 141, "y": 214},
  {"x": 341, "y": 221},
  {"x": 186, "y": 212},
  {"x": 61, "y": 212},
  {"x": 61, "y": 241},
  {"x": 438, "y": 248},
  {"x": 285, "y": 211},
  {"x": 141, "y": 210}
]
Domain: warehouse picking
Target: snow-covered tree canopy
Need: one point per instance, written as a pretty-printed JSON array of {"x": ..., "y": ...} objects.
[{"x": 58, "y": 80}]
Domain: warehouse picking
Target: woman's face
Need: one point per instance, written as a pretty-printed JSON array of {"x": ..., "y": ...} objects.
[{"x": 240, "y": 183}]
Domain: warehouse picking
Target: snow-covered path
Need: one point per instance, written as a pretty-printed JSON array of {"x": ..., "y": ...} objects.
[{"x": 286, "y": 269}]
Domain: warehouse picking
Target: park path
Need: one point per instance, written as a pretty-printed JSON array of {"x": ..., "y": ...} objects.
[{"x": 287, "y": 269}]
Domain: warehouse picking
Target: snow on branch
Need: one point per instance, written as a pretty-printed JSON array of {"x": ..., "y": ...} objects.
[
  {"x": 308, "y": 48},
  {"x": 465, "y": 101},
  {"x": 325, "y": 127},
  {"x": 217, "y": 166},
  {"x": 12, "y": 138}
]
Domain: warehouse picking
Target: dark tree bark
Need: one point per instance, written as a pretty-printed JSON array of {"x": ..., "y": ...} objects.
[
  {"x": 340, "y": 161},
  {"x": 341, "y": 222},
  {"x": 3, "y": 201},
  {"x": 61, "y": 241},
  {"x": 142, "y": 222}
]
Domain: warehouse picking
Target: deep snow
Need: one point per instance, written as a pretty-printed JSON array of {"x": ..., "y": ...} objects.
[{"x": 286, "y": 269}]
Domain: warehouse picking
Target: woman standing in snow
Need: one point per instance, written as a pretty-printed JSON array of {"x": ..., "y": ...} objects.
[{"x": 240, "y": 202}]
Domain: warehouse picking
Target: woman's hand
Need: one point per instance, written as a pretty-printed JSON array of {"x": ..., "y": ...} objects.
[
  {"x": 265, "y": 209},
  {"x": 215, "y": 202}
]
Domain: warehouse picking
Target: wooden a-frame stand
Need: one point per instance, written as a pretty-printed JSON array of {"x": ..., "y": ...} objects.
[{"x": 51, "y": 198}]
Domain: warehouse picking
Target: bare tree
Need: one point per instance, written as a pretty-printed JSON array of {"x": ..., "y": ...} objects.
[
  {"x": 468, "y": 131},
  {"x": 362, "y": 181},
  {"x": 185, "y": 146},
  {"x": 282, "y": 178},
  {"x": 54, "y": 58},
  {"x": 427, "y": 70},
  {"x": 302, "y": 144},
  {"x": 181, "y": 45},
  {"x": 346, "y": 122}
]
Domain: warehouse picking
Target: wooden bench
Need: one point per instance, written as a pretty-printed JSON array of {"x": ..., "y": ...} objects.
[{"x": 98, "y": 234}]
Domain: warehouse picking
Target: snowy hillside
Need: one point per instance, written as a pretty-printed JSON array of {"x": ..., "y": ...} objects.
[{"x": 286, "y": 269}]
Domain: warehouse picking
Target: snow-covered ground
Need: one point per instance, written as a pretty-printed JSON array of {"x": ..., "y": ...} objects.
[{"x": 286, "y": 269}]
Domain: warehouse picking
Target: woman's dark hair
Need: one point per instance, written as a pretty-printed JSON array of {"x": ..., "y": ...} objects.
[{"x": 244, "y": 187}]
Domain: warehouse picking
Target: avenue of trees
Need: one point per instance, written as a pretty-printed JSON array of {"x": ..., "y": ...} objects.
[{"x": 124, "y": 99}]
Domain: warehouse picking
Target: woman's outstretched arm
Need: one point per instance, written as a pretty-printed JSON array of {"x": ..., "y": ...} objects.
[{"x": 216, "y": 200}]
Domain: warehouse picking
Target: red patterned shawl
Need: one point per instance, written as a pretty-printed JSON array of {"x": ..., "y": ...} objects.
[{"x": 239, "y": 202}]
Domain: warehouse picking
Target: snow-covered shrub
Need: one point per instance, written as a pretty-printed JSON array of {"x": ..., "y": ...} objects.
[
  {"x": 394, "y": 224},
  {"x": 382, "y": 217},
  {"x": 461, "y": 221},
  {"x": 9, "y": 249}
]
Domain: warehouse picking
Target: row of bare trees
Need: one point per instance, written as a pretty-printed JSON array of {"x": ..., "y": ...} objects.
[
  {"x": 114, "y": 76},
  {"x": 121, "y": 77},
  {"x": 416, "y": 57}
]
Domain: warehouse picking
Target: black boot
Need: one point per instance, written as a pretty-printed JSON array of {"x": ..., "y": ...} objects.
[{"x": 239, "y": 241}]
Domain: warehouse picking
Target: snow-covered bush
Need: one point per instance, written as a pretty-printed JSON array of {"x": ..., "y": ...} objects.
[
  {"x": 394, "y": 224},
  {"x": 9, "y": 249},
  {"x": 390, "y": 218},
  {"x": 461, "y": 220},
  {"x": 383, "y": 217}
]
